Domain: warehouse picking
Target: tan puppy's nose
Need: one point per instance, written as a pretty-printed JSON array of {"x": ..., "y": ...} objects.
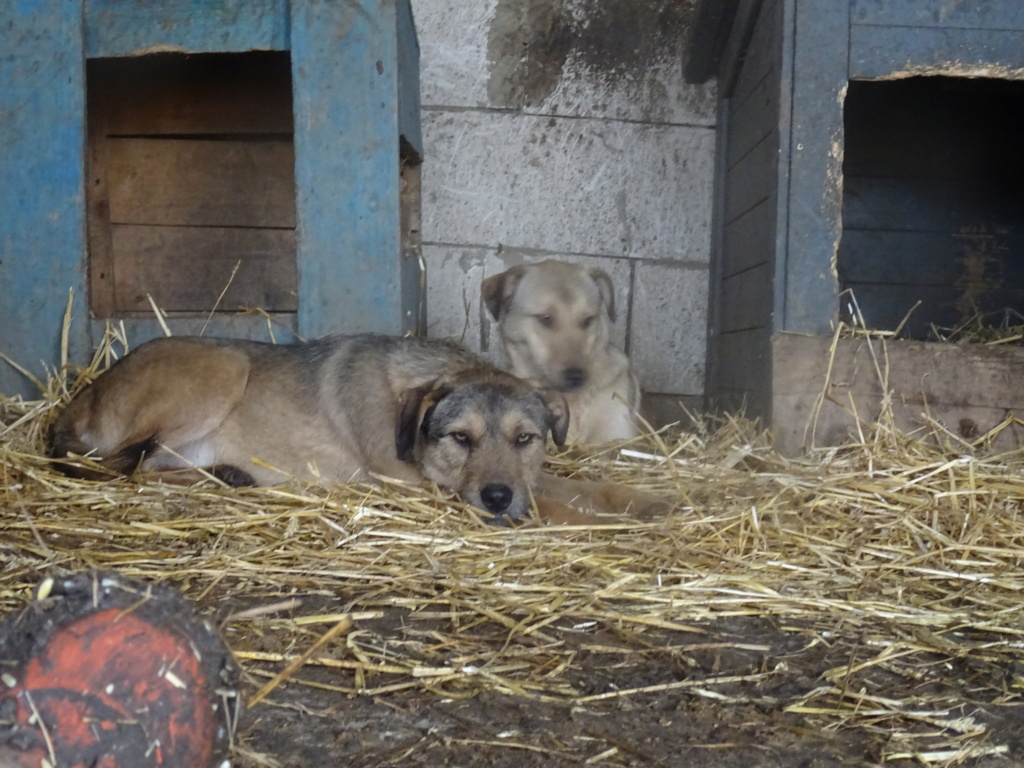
[{"x": 574, "y": 378}]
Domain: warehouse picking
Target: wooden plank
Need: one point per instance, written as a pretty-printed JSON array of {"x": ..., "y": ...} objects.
[
  {"x": 750, "y": 239},
  {"x": 277, "y": 327},
  {"x": 923, "y": 258},
  {"x": 747, "y": 174},
  {"x": 131, "y": 28},
  {"x": 808, "y": 283},
  {"x": 409, "y": 83},
  {"x": 709, "y": 32},
  {"x": 752, "y": 180},
  {"x": 718, "y": 252},
  {"x": 761, "y": 55},
  {"x": 922, "y": 205},
  {"x": 202, "y": 183},
  {"x": 346, "y": 167},
  {"x": 990, "y": 14},
  {"x": 743, "y": 44},
  {"x": 186, "y": 268},
  {"x": 201, "y": 94},
  {"x": 100, "y": 257},
  {"x": 745, "y": 373},
  {"x": 885, "y": 306},
  {"x": 754, "y": 118},
  {"x": 747, "y": 300},
  {"x": 877, "y": 52},
  {"x": 953, "y": 383},
  {"x": 42, "y": 206}
]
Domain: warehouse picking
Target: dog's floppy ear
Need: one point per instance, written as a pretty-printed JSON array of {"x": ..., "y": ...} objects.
[
  {"x": 604, "y": 285},
  {"x": 558, "y": 415},
  {"x": 496, "y": 290},
  {"x": 414, "y": 406}
]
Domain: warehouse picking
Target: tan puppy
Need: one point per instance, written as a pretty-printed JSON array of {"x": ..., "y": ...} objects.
[
  {"x": 340, "y": 409},
  {"x": 554, "y": 320}
]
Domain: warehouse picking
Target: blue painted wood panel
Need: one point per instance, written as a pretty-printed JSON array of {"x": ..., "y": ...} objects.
[
  {"x": 967, "y": 14},
  {"x": 807, "y": 287},
  {"x": 131, "y": 28},
  {"x": 345, "y": 90},
  {"x": 877, "y": 52},
  {"x": 42, "y": 212},
  {"x": 408, "y": 78}
]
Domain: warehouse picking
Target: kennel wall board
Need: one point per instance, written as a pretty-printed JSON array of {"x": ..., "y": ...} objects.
[
  {"x": 785, "y": 69},
  {"x": 135, "y": 166}
]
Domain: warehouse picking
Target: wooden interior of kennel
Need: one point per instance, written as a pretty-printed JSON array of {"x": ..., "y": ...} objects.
[{"x": 192, "y": 183}]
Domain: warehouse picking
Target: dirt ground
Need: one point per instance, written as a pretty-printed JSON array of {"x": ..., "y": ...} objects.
[{"x": 743, "y": 723}]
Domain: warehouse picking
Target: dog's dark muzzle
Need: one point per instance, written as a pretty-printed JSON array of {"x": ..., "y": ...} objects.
[{"x": 573, "y": 379}]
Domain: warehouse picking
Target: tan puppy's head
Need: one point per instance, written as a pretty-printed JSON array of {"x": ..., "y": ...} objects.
[
  {"x": 554, "y": 320},
  {"x": 482, "y": 436}
]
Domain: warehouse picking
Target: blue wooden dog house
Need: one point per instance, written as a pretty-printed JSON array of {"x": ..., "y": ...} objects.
[
  {"x": 867, "y": 147},
  {"x": 198, "y": 155}
]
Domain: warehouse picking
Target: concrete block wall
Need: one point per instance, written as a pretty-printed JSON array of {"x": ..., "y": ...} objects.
[{"x": 563, "y": 129}]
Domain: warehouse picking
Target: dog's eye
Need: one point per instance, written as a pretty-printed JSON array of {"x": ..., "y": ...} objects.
[
  {"x": 546, "y": 320},
  {"x": 461, "y": 438},
  {"x": 587, "y": 322},
  {"x": 525, "y": 438}
]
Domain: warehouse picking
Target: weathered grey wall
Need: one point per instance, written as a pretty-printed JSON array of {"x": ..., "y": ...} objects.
[{"x": 563, "y": 128}]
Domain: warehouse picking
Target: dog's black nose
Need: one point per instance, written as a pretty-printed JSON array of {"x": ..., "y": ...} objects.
[
  {"x": 574, "y": 378},
  {"x": 496, "y": 497}
]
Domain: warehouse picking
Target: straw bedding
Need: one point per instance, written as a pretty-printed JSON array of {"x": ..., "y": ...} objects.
[{"x": 910, "y": 549}]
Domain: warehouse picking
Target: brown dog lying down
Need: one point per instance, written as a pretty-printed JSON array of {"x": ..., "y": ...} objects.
[{"x": 340, "y": 409}]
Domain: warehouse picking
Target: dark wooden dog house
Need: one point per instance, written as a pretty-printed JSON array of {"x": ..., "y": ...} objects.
[
  {"x": 872, "y": 148},
  {"x": 244, "y": 154}
]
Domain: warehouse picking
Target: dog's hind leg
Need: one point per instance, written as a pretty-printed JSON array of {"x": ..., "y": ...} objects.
[{"x": 123, "y": 462}]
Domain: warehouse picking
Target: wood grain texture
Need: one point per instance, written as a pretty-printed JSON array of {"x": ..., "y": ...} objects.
[
  {"x": 131, "y": 28},
  {"x": 408, "y": 80},
  {"x": 749, "y": 240},
  {"x": 810, "y": 287},
  {"x": 748, "y": 177},
  {"x": 976, "y": 14},
  {"x": 194, "y": 182},
  {"x": 949, "y": 382},
  {"x": 877, "y": 52},
  {"x": 42, "y": 205},
  {"x": 186, "y": 268},
  {"x": 347, "y": 166}
]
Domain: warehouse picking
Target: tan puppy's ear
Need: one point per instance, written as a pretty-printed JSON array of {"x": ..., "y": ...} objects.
[
  {"x": 497, "y": 290},
  {"x": 607, "y": 290},
  {"x": 558, "y": 415},
  {"x": 413, "y": 407}
]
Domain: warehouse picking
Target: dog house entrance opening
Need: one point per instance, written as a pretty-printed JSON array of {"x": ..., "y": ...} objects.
[
  {"x": 191, "y": 183},
  {"x": 933, "y": 204}
]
